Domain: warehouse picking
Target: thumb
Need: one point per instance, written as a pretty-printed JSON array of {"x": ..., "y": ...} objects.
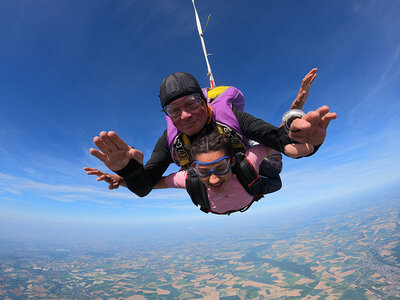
[
  {"x": 135, "y": 154},
  {"x": 298, "y": 150}
]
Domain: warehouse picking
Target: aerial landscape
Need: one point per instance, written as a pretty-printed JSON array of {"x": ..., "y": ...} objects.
[{"x": 346, "y": 254}]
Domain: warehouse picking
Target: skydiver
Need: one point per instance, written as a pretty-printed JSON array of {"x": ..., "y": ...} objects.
[{"x": 302, "y": 138}]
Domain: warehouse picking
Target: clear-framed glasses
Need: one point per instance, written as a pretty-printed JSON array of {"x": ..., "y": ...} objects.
[
  {"x": 220, "y": 166},
  {"x": 189, "y": 104}
]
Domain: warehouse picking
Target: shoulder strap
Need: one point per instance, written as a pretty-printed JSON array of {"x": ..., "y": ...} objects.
[
  {"x": 213, "y": 93},
  {"x": 247, "y": 175},
  {"x": 197, "y": 191},
  {"x": 236, "y": 139},
  {"x": 181, "y": 148}
]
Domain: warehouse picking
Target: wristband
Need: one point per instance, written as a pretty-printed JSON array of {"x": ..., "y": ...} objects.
[{"x": 290, "y": 116}]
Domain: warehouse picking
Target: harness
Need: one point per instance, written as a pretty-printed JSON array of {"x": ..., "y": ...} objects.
[
  {"x": 245, "y": 173},
  {"x": 182, "y": 145},
  {"x": 220, "y": 102}
]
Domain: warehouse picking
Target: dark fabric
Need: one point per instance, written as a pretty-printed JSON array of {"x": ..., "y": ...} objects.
[
  {"x": 197, "y": 191},
  {"x": 262, "y": 132},
  {"x": 141, "y": 180},
  {"x": 247, "y": 175},
  {"x": 271, "y": 165},
  {"x": 271, "y": 184},
  {"x": 269, "y": 172}
]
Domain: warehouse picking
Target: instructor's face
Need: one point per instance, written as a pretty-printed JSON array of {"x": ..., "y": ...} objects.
[{"x": 191, "y": 119}]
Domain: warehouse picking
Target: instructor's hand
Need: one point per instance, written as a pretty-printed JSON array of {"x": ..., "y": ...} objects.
[
  {"x": 304, "y": 90},
  {"x": 114, "y": 152},
  {"x": 309, "y": 131}
]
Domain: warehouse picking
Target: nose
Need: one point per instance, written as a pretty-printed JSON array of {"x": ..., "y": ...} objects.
[
  {"x": 214, "y": 179},
  {"x": 185, "y": 114}
]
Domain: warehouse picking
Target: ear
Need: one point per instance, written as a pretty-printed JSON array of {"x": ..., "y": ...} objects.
[{"x": 233, "y": 160}]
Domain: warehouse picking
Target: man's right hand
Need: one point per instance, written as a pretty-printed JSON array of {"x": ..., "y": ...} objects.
[{"x": 115, "y": 153}]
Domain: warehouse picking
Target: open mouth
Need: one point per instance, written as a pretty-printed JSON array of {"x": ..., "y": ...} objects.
[{"x": 218, "y": 185}]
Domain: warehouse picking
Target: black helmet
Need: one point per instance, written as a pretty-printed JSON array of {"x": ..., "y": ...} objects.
[{"x": 177, "y": 85}]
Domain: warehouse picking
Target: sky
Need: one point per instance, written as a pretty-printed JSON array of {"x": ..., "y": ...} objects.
[{"x": 70, "y": 69}]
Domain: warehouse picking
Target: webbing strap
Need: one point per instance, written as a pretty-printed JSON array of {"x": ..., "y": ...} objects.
[
  {"x": 247, "y": 175},
  {"x": 197, "y": 191},
  {"x": 181, "y": 146},
  {"x": 235, "y": 138}
]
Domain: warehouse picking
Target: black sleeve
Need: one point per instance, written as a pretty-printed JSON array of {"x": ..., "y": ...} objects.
[
  {"x": 141, "y": 180},
  {"x": 262, "y": 132}
]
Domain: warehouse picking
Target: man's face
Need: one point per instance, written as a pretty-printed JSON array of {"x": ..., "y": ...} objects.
[
  {"x": 189, "y": 114},
  {"x": 217, "y": 183}
]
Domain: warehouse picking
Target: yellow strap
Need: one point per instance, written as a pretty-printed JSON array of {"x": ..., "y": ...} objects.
[
  {"x": 215, "y": 92},
  {"x": 183, "y": 161},
  {"x": 185, "y": 139},
  {"x": 221, "y": 131}
]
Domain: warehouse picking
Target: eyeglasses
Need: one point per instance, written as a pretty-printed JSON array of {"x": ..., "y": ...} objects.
[
  {"x": 223, "y": 165},
  {"x": 188, "y": 104}
]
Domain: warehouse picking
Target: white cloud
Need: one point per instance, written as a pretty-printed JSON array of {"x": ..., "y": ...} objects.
[{"x": 74, "y": 193}]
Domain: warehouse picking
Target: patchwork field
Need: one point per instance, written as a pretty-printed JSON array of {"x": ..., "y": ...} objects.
[{"x": 349, "y": 255}]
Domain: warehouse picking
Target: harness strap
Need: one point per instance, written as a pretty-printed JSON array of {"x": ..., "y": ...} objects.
[
  {"x": 247, "y": 175},
  {"x": 181, "y": 145},
  {"x": 197, "y": 191},
  {"x": 235, "y": 138},
  {"x": 255, "y": 199}
]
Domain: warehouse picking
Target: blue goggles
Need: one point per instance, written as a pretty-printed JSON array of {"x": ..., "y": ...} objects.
[{"x": 222, "y": 166}]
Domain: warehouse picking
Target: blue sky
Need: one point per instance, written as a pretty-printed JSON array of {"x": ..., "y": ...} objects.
[{"x": 70, "y": 69}]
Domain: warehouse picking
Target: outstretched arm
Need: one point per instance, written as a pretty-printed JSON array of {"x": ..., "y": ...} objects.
[
  {"x": 305, "y": 134},
  {"x": 127, "y": 161},
  {"x": 304, "y": 90},
  {"x": 310, "y": 130},
  {"x": 114, "y": 181},
  {"x": 161, "y": 184}
]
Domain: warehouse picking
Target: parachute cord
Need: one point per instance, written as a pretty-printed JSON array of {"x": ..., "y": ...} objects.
[
  {"x": 200, "y": 31},
  {"x": 204, "y": 30}
]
